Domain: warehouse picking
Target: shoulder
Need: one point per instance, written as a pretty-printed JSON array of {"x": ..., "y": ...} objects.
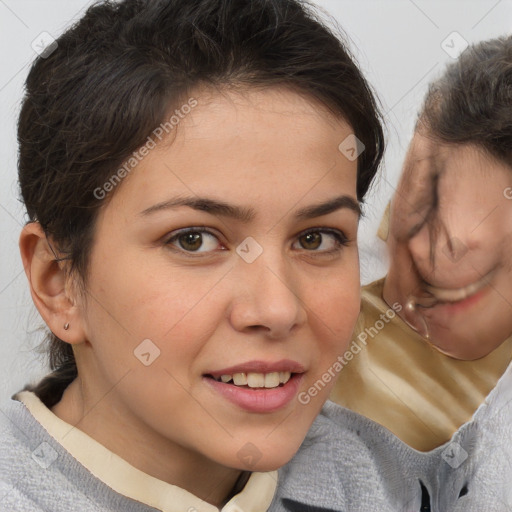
[
  {"x": 19, "y": 467},
  {"x": 16, "y": 434},
  {"x": 347, "y": 459},
  {"x": 37, "y": 473}
]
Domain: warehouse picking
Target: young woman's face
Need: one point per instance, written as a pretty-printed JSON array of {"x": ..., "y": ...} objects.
[
  {"x": 230, "y": 253},
  {"x": 456, "y": 285}
]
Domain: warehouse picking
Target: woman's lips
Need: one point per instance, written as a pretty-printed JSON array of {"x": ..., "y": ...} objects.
[
  {"x": 462, "y": 305},
  {"x": 459, "y": 294},
  {"x": 454, "y": 300},
  {"x": 257, "y": 391}
]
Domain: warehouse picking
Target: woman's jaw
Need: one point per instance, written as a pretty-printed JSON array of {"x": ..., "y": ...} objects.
[{"x": 229, "y": 252}]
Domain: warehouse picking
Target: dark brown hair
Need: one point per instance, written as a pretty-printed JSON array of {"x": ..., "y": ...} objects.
[
  {"x": 116, "y": 74},
  {"x": 472, "y": 102}
]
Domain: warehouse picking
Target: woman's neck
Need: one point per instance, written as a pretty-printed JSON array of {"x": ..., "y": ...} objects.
[{"x": 151, "y": 453}]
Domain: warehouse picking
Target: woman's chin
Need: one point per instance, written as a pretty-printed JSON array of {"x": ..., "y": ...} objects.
[
  {"x": 462, "y": 348},
  {"x": 265, "y": 466},
  {"x": 257, "y": 457}
]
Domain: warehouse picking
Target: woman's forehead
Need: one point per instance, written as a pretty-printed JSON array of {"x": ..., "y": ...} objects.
[{"x": 268, "y": 150}]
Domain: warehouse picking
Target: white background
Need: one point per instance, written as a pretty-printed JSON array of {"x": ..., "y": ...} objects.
[{"x": 397, "y": 43}]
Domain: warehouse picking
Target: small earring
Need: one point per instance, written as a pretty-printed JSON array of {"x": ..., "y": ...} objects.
[{"x": 66, "y": 326}]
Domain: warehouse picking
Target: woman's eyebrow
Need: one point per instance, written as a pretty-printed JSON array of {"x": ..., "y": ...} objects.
[
  {"x": 330, "y": 206},
  {"x": 245, "y": 215},
  {"x": 204, "y": 204}
]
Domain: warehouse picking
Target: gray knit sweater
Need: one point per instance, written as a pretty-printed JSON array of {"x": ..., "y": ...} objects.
[
  {"x": 347, "y": 464},
  {"x": 37, "y": 474},
  {"x": 351, "y": 464}
]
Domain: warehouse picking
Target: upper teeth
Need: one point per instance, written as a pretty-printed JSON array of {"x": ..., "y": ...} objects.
[
  {"x": 257, "y": 380},
  {"x": 455, "y": 295}
]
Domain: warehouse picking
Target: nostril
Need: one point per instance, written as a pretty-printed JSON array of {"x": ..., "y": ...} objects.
[{"x": 463, "y": 491}]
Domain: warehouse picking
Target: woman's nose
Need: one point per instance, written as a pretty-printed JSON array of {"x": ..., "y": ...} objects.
[
  {"x": 268, "y": 298},
  {"x": 441, "y": 251}
]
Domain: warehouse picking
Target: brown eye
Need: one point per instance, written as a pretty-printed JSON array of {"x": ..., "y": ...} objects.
[
  {"x": 197, "y": 240},
  {"x": 321, "y": 241},
  {"x": 191, "y": 241},
  {"x": 311, "y": 241}
]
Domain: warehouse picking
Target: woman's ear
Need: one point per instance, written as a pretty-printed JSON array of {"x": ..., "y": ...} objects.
[{"x": 50, "y": 288}]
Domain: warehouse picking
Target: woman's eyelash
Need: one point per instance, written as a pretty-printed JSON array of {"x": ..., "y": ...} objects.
[
  {"x": 341, "y": 240},
  {"x": 186, "y": 231},
  {"x": 340, "y": 237}
]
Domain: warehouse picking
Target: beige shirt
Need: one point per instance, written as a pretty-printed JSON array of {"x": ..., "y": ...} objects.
[
  {"x": 127, "y": 480},
  {"x": 406, "y": 385}
]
